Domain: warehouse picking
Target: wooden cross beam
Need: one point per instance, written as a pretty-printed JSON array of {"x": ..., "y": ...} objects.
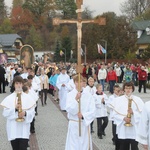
[{"x": 79, "y": 22}]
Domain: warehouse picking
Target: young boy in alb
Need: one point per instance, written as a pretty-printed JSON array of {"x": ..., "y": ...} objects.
[
  {"x": 111, "y": 99},
  {"x": 101, "y": 111},
  {"x": 87, "y": 115},
  {"x": 19, "y": 110},
  {"x": 90, "y": 88}
]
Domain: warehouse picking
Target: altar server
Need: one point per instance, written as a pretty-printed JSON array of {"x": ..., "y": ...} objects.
[
  {"x": 127, "y": 113},
  {"x": 101, "y": 111},
  {"x": 61, "y": 84},
  {"x": 87, "y": 115},
  {"x": 18, "y": 132},
  {"x": 143, "y": 135}
]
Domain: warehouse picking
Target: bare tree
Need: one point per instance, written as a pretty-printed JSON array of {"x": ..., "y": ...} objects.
[{"x": 134, "y": 8}]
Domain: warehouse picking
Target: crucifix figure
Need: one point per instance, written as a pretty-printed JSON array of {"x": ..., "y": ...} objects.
[{"x": 79, "y": 22}]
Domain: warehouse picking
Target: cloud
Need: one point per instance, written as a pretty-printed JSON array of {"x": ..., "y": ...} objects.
[{"x": 101, "y": 6}]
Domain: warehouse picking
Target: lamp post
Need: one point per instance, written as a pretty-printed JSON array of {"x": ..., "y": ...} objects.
[
  {"x": 65, "y": 55},
  {"x": 105, "y": 49},
  {"x": 84, "y": 53}
]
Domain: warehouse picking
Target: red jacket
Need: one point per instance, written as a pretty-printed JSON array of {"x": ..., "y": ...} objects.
[
  {"x": 111, "y": 75},
  {"x": 142, "y": 75}
]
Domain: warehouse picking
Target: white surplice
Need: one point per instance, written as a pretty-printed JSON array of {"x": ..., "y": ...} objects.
[
  {"x": 24, "y": 75},
  {"x": 18, "y": 129},
  {"x": 120, "y": 112},
  {"x": 70, "y": 85},
  {"x": 101, "y": 108},
  {"x": 62, "y": 79},
  {"x": 143, "y": 134},
  {"x": 84, "y": 142},
  {"x": 92, "y": 90},
  {"x": 111, "y": 100}
]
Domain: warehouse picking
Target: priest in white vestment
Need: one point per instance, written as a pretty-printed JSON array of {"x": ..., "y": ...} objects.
[
  {"x": 18, "y": 132},
  {"x": 143, "y": 135},
  {"x": 87, "y": 115},
  {"x": 90, "y": 88},
  {"x": 127, "y": 127},
  {"x": 61, "y": 84}
]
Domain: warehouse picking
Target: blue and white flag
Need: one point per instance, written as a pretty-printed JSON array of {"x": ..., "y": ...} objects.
[{"x": 101, "y": 49}]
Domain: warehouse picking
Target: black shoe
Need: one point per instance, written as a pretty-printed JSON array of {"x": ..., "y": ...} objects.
[
  {"x": 32, "y": 131},
  {"x": 100, "y": 137},
  {"x": 4, "y": 92},
  {"x": 36, "y": 113},
  {"x": 104, "y": 134},
  {"x": 92, "y": 131},
  {"x": 63, "y": 110}
]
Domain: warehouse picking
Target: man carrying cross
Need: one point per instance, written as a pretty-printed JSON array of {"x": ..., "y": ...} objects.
[
  {"x": 80, "y": 106},
  {"x": 87, "y": 115}
]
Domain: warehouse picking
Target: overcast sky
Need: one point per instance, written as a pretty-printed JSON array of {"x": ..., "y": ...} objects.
[{"x": 98, "y": 6}]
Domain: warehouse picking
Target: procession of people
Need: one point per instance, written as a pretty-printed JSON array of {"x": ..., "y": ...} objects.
[{"x": 129, "y": 115}]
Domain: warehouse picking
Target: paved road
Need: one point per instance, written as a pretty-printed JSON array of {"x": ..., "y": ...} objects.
[{"x": 51, "y": 128}]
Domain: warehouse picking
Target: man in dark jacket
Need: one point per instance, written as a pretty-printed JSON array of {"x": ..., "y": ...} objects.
[{"x": 2, "y": 79}]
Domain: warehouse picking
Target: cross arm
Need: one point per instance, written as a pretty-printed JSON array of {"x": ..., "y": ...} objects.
[{"x": 57, "y": 21}]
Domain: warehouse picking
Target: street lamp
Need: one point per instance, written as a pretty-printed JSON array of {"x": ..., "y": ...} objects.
[
  {"x": 65, "y": 54},
  {"x": 105, "y": 49},
  {"x": 84, "y": 53}
]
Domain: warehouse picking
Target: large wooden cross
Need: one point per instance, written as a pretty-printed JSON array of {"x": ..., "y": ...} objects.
[{"x": 79, "y": 22}]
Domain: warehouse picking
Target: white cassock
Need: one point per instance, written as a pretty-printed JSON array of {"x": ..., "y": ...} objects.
[
  {"x": 38, "y": 82},
  {"x": 18, "y": 129},
  {"x": 70, "y": 85},
  {"x": 120, "y": 112},
  {"x": 84, "y": 142},
  {"x": 101, "y": 109},
  {"x": 62, "y": 79},
  {"x": 143, "y": 134}
]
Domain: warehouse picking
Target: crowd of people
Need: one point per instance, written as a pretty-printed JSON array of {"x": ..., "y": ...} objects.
[{"x": 61, "y": 81}]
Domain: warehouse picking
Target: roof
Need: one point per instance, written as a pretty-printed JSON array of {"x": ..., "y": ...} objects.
[
  {"x": 141, "y": 25},
  {"x": 144, "y": 39},
  {"x": 8, "y": 39}
]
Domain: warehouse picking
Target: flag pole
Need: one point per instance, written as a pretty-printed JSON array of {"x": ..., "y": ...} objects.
[{"x": 106, "y": 51}]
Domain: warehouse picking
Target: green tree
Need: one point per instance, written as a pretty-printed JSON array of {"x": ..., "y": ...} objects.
[
  {"x": 39, "y": 7},
  {"x": 66, "y": 47},
  {"x": 40, "y": 10},
  {"x": 57, "y": 56},
  {"x": 3, "y": 12},
  {"x": 129, "y": 56},
  {"x": 87, "y": 13},
  {"x": 117, "y": 32},
  {"x": 17, "y": 3},
  {"x": 34, "y": 39},
  {"x": 68, "y": 8},
  {"x": 146, "y": 54},
  {"x": 6, "y": 27}
]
